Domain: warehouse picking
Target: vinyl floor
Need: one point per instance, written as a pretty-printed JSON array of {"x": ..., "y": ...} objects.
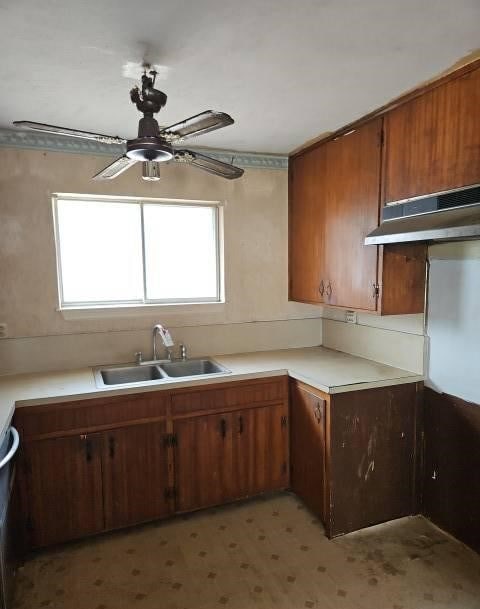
[{"x": 267, "y": 553}]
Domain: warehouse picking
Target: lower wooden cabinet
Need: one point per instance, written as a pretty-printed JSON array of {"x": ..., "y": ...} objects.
[
  {"x": 183, "y": 451},
  {"x": 355, "y": 455},
  {"x": 203, "y": 461},
  {"x": 219, "y": 458},
  {"x": 64, "y": 488},
  {"x": 135, "y": 475},
  {"x": 307, "y": 451},
  {"x": 260, "y": 449}
]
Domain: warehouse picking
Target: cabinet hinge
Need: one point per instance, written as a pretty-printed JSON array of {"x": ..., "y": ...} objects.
[
  {"x": 283, "y": 420},
  {"x": 170, "y": 492},
  {"x": 376, "y": 290},
  {"x": 170, "y": 440}
]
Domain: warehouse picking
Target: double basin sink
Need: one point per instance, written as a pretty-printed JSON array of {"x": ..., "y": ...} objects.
[{"x": 157, "y": 371}]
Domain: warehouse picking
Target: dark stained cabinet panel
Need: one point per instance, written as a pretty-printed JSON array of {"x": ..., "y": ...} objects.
[
  {"x": 373, "y": 456},
  {"x": 306, "y": 226},
  {"x": 451, "y": 488},
  {"x": 403, "y": 268},
  {"x": 351, "y": 212},
  {"x": 64, "y": 480},
  {"x": 260, "y": 449},
  {"x": 433, "y": 141},
  {"x": 203, "y": 461},
  {"x": 307, "y": 447},
  {"x": 220, "y": 458},
  {"x": 135, "y": 475}
]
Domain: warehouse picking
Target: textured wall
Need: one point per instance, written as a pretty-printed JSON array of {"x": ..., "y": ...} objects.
[{"x": 256, "y": 254}]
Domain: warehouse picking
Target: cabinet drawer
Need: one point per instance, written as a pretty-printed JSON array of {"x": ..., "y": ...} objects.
[
  {"x": 228, "y": 396},
  {"x": 66, "y": 418}
]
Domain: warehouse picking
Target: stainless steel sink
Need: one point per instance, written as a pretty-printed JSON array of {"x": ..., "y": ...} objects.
[
  {"x": 192, "y": 367},
  {"x": 121, "y": 375}
]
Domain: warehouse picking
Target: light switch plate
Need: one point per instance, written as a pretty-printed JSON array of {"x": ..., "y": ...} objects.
[
  {"x": 351, "y": 317},
  {"x": 3, "y": 330}
]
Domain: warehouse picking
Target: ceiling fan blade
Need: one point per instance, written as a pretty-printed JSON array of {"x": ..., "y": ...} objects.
[
  {"x": 115, "y": 169},
  {"x": 197, "y": 125},
  {"x": 208, "y": 164},
  {"x": 86, "y": 135}
]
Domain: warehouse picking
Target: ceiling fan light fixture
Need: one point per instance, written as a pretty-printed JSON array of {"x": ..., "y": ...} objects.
[{"x": 150, "y": 171}]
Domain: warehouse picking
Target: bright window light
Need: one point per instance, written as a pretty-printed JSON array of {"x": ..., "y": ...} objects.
[
  {"x": 180, "y": 252},
  {"x": 124, "y": 252}
]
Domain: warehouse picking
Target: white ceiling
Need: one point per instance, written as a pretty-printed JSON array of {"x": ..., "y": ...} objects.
[{"x": 286, "y": 71}]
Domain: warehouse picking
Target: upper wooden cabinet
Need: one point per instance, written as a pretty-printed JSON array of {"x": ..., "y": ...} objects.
[
  {"x": 334, "y": 203},
  {"x": 351, "y": 204},
  {"x": 432, "y": 143},
  {"x": 307, "y": 187}
]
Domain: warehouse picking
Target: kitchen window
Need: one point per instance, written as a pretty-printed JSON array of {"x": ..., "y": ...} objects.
[{"x": 119, "y": 251}]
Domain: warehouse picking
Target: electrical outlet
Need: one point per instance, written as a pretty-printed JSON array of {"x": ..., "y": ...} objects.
[
  {"x": 351, "y": 317},
  {"x": 3, "y": 330}
]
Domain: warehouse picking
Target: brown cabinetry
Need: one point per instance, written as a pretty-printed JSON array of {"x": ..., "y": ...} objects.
[
  {"x": 306, "y": 226},
  {"x": 64, "y": 482},
  {"x": 351, "y": 212},
  {"x": 203, "y": 461},
  {"x": 135, "y": 474},
  {"x": 222, "y": 457},
  {"x": 307, "y": 450},
  {"x": 334, "y": 203},
  {"x": 432, "y": 142},
  {"x": 161, "y": 452},
  {"x": 354, "y": 455}
]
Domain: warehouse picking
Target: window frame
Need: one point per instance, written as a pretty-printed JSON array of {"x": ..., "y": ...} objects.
[{"x": 216, "y": 206}]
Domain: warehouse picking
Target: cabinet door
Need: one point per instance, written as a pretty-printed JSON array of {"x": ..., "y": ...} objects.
[
  {"x": 352, "y": 211},
  {"x": 373, "y": 456},
  {"x": 65, "y": 499},
  {"x": 433, "y": 142},
  {"x": 307, "y": 183},
  {"x": 203, "y": 461},
  {"x": 135, "y": 474},
  {"x": 307, "y": 448},
  {"x": 260, "y": 449}
]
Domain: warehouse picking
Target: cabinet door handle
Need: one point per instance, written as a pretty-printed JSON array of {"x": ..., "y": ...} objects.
[
  {"x": 328, "y": 290},
  {"x": 88, "y": 447},
  {"x": 318, "y": 412},
  {"x": 223, "y": 428},
  {"x": 111, "y": 447},
  {"x": 321, "y": 288},
  {"x": 240, "y": 425}
]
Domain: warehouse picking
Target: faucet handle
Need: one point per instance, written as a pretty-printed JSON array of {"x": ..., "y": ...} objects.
[{"x": 138, "y": 357}]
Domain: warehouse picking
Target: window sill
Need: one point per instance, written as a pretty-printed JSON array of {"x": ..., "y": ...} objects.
[{"x": 136, "y": 310}]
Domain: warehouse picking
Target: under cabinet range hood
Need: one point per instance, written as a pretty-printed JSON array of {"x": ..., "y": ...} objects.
[{"x": 445, "y": 216}]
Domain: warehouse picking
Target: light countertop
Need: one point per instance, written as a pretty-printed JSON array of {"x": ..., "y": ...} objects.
[{"x": 325, "y": 369}]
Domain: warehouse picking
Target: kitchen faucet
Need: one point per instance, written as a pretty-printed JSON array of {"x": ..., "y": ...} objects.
[{"x": 166, "y": 339}]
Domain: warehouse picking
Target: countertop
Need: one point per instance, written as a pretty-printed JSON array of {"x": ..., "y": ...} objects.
[{"x": 325, "y": 369}]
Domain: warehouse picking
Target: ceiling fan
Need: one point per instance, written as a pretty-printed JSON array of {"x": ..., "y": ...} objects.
[{"x": 154, "y": 144}]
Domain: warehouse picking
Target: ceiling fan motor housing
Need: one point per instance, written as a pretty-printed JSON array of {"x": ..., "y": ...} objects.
[
  {"x": 149, "y": 149},
  {"x": 148, "y": 146}
]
